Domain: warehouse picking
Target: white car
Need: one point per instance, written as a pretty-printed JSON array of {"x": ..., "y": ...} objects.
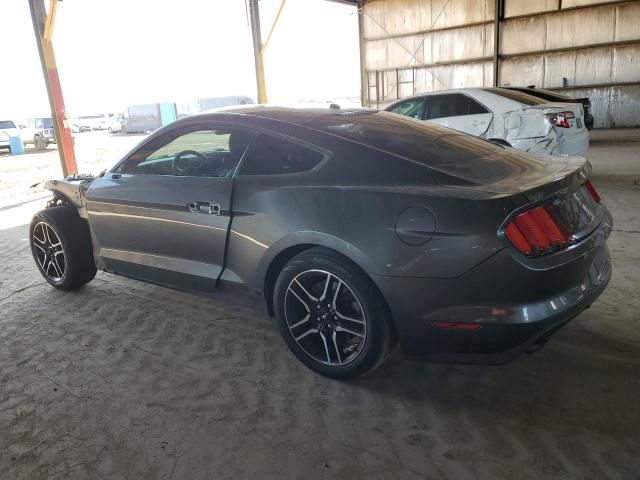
[
  {"x": 7, "y": 129},
  {"x": 38, "y": 131},
  {"x": 114, "y": 125},
  {"x": 504, "y": 116}
]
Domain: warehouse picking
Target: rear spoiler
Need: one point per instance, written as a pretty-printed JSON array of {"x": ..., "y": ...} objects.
[
  {"x": 566, "y": 184},
  {"x": 559, "y": 175}
]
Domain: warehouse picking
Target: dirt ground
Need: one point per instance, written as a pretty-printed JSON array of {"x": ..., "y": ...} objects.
[{"x": 122, "y": 380}]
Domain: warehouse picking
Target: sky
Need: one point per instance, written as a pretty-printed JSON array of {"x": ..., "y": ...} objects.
[{"x": 114, "y": 53}]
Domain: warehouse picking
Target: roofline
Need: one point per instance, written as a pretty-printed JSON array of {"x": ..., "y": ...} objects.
[{"x": 254, "y": 111}]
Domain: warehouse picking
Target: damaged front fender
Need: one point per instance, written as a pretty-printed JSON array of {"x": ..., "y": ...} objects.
[{"x": 71, "y": 190}]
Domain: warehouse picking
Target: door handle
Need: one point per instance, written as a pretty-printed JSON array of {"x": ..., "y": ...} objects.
[
  {"x": 210, "y": 208},
  {"x": 476, "y": 123},
  {"x": 214, "y": 209}
]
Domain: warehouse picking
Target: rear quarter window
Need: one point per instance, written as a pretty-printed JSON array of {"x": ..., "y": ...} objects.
[
  {"x": 441, "y": 149},
  {"x": 270, "y": 155}
]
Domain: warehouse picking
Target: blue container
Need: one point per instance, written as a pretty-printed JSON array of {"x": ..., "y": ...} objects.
[
  {"x": 168, "y": 113},
  {"x": 16, "y": 146}
]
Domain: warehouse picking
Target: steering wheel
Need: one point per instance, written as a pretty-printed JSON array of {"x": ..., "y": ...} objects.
[{"x": 182, "y": 165}]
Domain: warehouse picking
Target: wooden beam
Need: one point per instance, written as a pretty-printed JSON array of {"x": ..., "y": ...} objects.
[
  {"x": 254, "y": 15},
  {"x": 43, "y": 29}
]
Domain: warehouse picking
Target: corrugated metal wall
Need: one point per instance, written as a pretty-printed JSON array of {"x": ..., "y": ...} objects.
[{"x": 580, "y": 47}]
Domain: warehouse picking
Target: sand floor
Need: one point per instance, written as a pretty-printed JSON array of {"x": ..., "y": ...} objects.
[{"x": 122, "y": 380}]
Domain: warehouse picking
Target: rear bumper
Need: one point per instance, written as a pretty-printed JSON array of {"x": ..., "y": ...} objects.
[{"x": 515, "y": 302}]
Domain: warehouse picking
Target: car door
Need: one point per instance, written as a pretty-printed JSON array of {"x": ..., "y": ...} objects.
[
  {"x": 459, "y": 112},
  {"x": 273, "y": 199},
  {"x": 162, "y": 214}
]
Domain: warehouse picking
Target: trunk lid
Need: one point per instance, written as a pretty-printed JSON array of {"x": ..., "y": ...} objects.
[
  {"x": 577, "y": 123},
  {"x": 557, "y": 184},
  {"x": 531, "y": 120},
  {"x": 561, "y": 189},
  {"x": 542, "y": 178}
]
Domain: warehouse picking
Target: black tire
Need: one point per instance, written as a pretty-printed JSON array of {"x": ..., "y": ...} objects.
[
  {"x": 378, "y": 333},
  {"x": 76, "y": 261}
]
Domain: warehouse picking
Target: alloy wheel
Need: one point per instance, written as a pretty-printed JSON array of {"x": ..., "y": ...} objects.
[
  {"x": 325, "y": 317},
  {"x": 49, "y": 252}
]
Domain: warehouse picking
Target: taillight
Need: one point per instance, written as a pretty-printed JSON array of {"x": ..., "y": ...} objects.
[
  {"x": 535, "y": 231},
  {"x": 560, "y": 119},
  {"x": 592, "y": 191}
]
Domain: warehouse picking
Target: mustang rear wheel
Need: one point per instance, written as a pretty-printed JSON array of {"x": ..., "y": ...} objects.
[
  {"x": 330, "y": 315},
  {"x": 61, "y": 247}
]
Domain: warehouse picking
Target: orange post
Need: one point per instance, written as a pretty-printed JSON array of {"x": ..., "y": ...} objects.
[{"x": 43, "y": 28}]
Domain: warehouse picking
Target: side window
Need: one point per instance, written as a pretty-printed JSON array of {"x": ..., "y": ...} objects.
[
  {"x": 475, "y": 107},
  {"x": 270, "y": 155},
  {"x": 452, "y": 105},
  {"x": 199, "y": 153},
  {"x": 410, "y": 108}
]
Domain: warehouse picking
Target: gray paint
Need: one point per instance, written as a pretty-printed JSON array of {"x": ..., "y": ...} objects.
[{"x": 360, "y": 202}]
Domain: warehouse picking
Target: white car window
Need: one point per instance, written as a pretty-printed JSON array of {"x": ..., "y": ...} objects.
[
  {"x": 409, "y": 108},
  {"x": 451, "y": 105}
]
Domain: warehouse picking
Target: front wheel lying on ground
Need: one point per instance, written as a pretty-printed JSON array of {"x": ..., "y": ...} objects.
[
  {"x": 61, "y": 247},
  {"x": 331, "y": 315}
]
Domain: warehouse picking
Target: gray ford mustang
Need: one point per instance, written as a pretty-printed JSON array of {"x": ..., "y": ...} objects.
[{"x": 357, "y": 230}]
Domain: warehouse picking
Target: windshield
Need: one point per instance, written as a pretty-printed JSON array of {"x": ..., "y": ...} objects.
[
  {"x": 46, "y": 122},
  {"x": 517, "y": 96},
  {"x": 7, "y": 124},
  {"x": 463, "y": 156}
]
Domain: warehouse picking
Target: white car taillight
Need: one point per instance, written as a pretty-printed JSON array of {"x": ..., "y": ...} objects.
[{"x": 560, "y": 119}]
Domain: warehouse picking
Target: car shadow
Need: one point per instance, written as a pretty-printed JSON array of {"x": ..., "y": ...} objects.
[{"x": 579, "y": 377}]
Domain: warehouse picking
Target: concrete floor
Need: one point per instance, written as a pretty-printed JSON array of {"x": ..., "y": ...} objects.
[{"x": 123, "y": 380}]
